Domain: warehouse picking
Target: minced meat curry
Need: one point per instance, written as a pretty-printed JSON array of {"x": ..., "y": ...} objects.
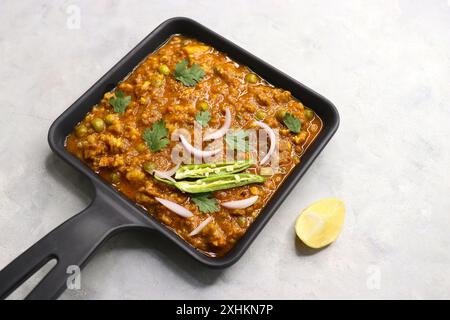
[{"x": 129, "y": 139}]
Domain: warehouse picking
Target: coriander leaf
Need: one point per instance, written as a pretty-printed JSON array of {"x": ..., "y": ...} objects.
[
  {"x": 203, "y": 118},
  {"x": 292, "y": 123},
  {"x": 188, "y": 76},
  {"x": 120, "y": 102},
  {"x": 205, "y": 202},
  {"x": 156, "y": 137},
  {"x": 238, "y": 140}
]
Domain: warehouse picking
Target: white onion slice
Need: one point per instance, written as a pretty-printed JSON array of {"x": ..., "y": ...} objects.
[
  {"x": 200, "y": 226},
  {"x": 223, "y": 130},
  {"x": 167, "y": 174},
  {"x": 164, "y": 176},
  {"x": 272, "y": 141},
  {"x": 175, "y": 207},
  {"x": 197, "y": 152},
  {"x": 240, "y": 204}
]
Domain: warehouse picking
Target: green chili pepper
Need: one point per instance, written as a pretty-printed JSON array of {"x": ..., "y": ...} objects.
[
  {"x": 170, "y": 183},
  {"x": 211, "y": 169},
  {"x": 218, "y": 182}
]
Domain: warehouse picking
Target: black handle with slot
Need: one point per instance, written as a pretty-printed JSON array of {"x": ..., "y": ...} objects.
[{"x": 71, "y": 244}]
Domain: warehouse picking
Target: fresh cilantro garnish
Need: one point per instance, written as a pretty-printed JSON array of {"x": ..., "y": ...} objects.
[
  {"x": 292, "y": 123},
  {"x": 120, "y": 102},
  {"x": 156, "y": 137},
  {"x": 189, "y": 76},
  {"x": 205, "y": 202},
  {"x": 238, "y": 140},
  {"x": 203, "y": 118}
]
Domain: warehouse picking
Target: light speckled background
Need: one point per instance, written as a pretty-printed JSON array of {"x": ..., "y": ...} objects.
[{"x": 385, "y": 64}]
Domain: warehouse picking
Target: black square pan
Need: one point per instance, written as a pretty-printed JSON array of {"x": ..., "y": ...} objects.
[{"x": 73, "y": 242}]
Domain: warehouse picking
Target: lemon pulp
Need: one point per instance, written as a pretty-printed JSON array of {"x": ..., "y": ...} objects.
[{"x": 320, "y": 224}]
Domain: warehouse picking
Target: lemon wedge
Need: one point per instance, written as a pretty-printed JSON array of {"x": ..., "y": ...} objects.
[{"x": 320, "y": 224}]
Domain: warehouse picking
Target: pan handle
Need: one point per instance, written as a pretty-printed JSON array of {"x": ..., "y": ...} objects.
[{"x": 72, "y": 243}]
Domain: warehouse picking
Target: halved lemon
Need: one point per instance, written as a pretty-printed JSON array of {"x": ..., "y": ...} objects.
[{"x": 320, "y": 224}]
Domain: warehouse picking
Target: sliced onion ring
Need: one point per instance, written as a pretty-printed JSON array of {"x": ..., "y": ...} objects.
[
  {"x": 164, "y": 176},
  {"x": 240, "y": 204},
  {"x": 167, "y": 174},
  {"x": 175, "y": 207},
  {"x": 200, "y": 227},
  {"x": 197, "y": 152},
  {"x": 223, "y": 130},
  {"x": 272, "y": 141}
]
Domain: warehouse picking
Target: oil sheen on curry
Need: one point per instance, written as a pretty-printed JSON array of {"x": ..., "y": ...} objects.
[{"x": 143, "y": 138}]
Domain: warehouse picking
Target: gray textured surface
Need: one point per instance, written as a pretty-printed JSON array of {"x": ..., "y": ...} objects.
[{"x": 385, "y": 64}]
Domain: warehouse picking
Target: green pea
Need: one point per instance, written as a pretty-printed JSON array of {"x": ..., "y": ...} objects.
[
  {"x": 157, "y": 81},
  {"x": 149, "y": 167},
  {"x": 242, "y": 221},
  {"x": 98, "y": 124},
  {"x": 115, "y": 177},
  {"x": 280, "y": 115},
  {"x": 110, "y": 119},
  {"x": 309, "y": 114},
  {"x": 141, "y": 147},
  {"x": 260, "y": 115},
  {"x": 203, "y": 105},
  {"x": 143, "y": 198},
  {"x": 251, "y": 78},
  {"x": 81, "y": 130},
  {"x": 164, "y": 69}
]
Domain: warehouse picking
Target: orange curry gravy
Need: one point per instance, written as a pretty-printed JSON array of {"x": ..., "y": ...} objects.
[{"x": 117, "y": 151}]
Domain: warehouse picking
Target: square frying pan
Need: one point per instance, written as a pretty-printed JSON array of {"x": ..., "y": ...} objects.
[{"x": 74, "y": 241}]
